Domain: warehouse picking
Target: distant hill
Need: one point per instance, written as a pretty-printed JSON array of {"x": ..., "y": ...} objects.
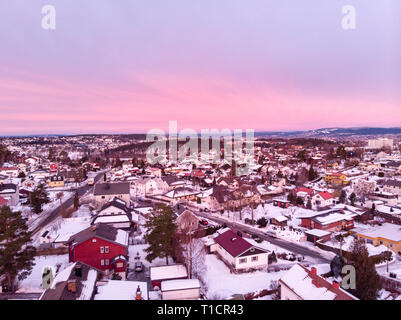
[{"x": 331, "y": 132}]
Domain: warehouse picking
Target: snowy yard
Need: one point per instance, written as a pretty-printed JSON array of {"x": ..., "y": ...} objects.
[
  {"x": 33, "y": 283},
  {"x": 221, "y": 284}
]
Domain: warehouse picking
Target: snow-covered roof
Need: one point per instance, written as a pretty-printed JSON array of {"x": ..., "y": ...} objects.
[
  {"x": 387, "y": 231},
  {"x": 181, "y": 284},
  {"x": 309, "y": 286},
  {"x": 121, "y": 290},
  {"x": 317, "y": 232},
  {"x": 122, "y": 237},
  {"x": 168, "y": 272}
]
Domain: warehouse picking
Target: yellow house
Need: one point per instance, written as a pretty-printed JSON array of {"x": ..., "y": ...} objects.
[
  {"x": 56, "y": 181},
  {"x": 335, "y": 178},
  {"x": 387, "y": 234}
]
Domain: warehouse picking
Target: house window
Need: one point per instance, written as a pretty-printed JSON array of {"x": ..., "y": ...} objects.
[
  {"x": 101, "y": 249},
  {"x": 107, "y": 262},
  {"x": 93, "y": 240},
  {"x": 120, "y": 265},
  {"x": 106, "y": 249},
  {"x": 254, "y": 259},
  {"x": 243, "y": 260},
  {"x": 102, "y": 262}
]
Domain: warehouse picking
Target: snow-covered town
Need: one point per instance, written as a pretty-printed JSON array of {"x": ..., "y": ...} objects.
[{"x": 90, "y": 219}]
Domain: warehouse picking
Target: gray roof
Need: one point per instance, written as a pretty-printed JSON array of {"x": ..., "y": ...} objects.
[
  {"x": 61, "y": 292},
  {"x": 102, "y": 189},
  {"x": 100, "y": 230},
  {"x": 393, "y": 183},
  {"x": 8, "y": 186}
]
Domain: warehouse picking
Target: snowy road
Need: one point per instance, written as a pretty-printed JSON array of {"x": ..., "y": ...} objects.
[{"x": 56, "y": 212}]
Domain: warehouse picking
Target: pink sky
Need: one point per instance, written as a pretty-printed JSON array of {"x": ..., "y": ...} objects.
[{"x": 263, "y": 66}]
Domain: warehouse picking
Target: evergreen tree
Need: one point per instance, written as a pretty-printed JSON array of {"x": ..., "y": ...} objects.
[
  {"x": 38, "y": 199},
  {"x": 341, "y": 153},
  {"x": 309, "y": 204},
  {"x": 159, "y": 236},
  {"x": 312, "y": 175},
  {"x": 21, "y": 175},
  {"x": 76, "y": 200},
  {"x": 352, "y": 198},
  {"x": 367, "y": 282},
  {"x": 291, "y": 197},
  {"x": 343, "y": 196},
  {"x": 16, "y": 255}
]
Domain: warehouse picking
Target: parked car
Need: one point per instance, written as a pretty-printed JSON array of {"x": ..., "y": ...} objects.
[
  {"x": 138, "y": 266},
  {"x": 271, "y": 234},
  {"x": 204, "y": 222}
]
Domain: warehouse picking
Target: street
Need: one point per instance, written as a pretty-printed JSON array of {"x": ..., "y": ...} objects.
[{"x": 56, "y": 212}]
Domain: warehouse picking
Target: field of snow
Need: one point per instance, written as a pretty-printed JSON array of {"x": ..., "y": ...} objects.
[
  {"x": 221, "y": 284},
  {"x": 33, "y": 283}
]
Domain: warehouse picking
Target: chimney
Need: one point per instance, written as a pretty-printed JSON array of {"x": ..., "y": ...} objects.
[
  {"x": 313, "y": 270},
  {"x": 72, "y": 286},
  {"x": 138, "y": 294},
  {"x": 78, "y": 271},
  {"x": 335, "y": 285},
  {"x": 94, "y": 228}
]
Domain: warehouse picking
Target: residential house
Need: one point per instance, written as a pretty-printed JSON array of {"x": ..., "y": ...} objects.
[
  {"x": 335, "y": 178},
  {"x": 76, "y": 282},
  {"x": 299, "y": 283},
  {"x": 56, "y": 181},
  {"x": 392, "y": 186},
  {"x": 186, "y": 221},
  {"x": 105, "y": 192},
  {"x": 322, "y": 199},
  {"x": 102, "y": 247},
  {"x": 11, "y": 172},
  {"x": 10, "y": 192},
  {"x": 116, "y": 214},
  {"x": 387, "y": 234},
  {"x": 239, "y": 253}
]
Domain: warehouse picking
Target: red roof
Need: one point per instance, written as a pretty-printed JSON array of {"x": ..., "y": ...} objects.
[
  {"x": 197, "y": 173},
  {"x": 233, "y": 243},
  {"x": 3, "y": 201},
  {"x": 304, "y": 189},
  {"x": 326, "y": 195}
]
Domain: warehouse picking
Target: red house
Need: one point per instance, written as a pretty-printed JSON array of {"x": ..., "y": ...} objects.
[
  {"x": 102, "y": 247},
  {"x": 328, "y": 221}
]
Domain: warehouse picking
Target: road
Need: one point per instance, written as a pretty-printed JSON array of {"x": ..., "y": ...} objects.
[
  {"x": 287, "y": 245},
  {"x": 57, "y": 211}
]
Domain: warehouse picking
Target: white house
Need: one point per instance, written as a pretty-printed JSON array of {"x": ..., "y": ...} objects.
[
  {"x": 239, "y": 253},
  {"x": 299, "y": 283},
  {"x": 322, "y": 199},
  {"x": 117, "y": 214}
]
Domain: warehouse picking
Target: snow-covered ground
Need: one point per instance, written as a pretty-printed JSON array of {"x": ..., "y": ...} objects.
[
  {"x": 221, "y": 284},
  {"x": 33, "y": 283},
  {"x": 347, "y": 245}
]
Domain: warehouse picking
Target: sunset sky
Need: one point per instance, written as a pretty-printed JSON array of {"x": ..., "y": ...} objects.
[{"x": 129, "y": 66}]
